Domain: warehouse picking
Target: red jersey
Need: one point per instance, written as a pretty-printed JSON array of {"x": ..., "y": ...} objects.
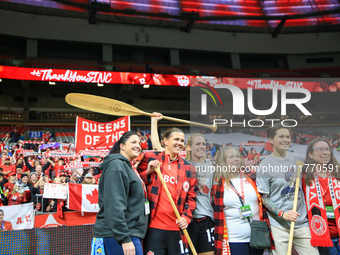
[
  {"x": 140, "y": 78},
  {"x": 5, "y": 226},
  {"x": 144, "y": 145},
  {"x": 16, "y": 198},
  {"x": 165, "y": 217},
  {"x": 10, "y": 168}
]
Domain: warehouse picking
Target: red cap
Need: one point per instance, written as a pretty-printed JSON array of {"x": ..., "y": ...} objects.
[
  {"x": 10, "y": 174},
  {"x": 62, "y": 174},
  {"x": 7, "y": 158}
]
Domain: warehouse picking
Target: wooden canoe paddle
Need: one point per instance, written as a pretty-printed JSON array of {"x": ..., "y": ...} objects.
[
  {"x": 114, "y": 107},
  {"x": 178, "y": 216},
  {"x": 299, "y": 165}
]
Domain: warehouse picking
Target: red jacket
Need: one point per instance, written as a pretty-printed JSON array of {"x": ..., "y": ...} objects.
[{"x": 186, "y": 184}]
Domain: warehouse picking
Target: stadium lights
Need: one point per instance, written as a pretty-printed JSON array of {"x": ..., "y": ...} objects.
[
  {"x": 146, "y": 86},
  {"x": 100, "y": 84},
  {"x": 51, "y": 82},
  {"x": 0, "y": 80}
]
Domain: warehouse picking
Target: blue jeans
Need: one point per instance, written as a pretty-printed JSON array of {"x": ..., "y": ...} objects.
[
  {"x": 335, "y": 250},
  {"x": 112, "y": 247},
  {"x": 243, "y": 249}
]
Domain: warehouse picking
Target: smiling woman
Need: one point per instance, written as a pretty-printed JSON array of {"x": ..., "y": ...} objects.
[
  {"x": 123, "y": 217},
  {"x": 277, "y": 189},
  {"x": 322, "y": 178},
  {"x": 163, "y": 236}
]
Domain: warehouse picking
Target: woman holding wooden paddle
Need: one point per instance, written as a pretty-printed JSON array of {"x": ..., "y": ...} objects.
[
  {"x": 164, "y": 236},
  {"x": 322, "y": 189},
  {"x": 276, "y": 182}
]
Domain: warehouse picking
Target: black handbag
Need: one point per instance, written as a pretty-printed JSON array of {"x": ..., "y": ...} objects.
[{"x": 259, "y": 230}]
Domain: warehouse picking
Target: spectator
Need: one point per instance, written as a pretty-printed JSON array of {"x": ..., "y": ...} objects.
[
  {"x": 14, "y": 136},
  {"x": 18, "y": 195},
  {"x": 7, "y": 167},
  {"x": 5, "y": 225},
  {"x": 2, "y": 195},
  {"x": 88, "y": 179},
  {"x": 74, "y": 177},
  {"x": 63, "y": 177},
  {"x": 27, "y": 186},
  {"x": 19, "y": 172},
  {"x": 8, "y": 187},
  {"x": 144, "y": 143},
  {"x": 37, "y": 163},
  {"x": 46, "y": 137},
  {"x": 212, "y": 149},
  {"x": 34, "y": 178},
  {"x": 22, "y": 137},
  {"x": 40, "y": 203}
]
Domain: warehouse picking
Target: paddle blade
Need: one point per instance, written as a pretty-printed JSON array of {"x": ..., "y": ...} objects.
[{"x": 102, "y": 105}]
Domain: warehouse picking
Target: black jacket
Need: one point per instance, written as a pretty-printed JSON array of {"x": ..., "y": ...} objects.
[{"x": 121, "y": 201}]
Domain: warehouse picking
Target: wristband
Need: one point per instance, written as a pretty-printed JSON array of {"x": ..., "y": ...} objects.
[{"x": 281, "y": 213}]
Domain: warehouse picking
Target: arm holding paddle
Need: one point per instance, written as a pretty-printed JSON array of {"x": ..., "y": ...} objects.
[
  {"x": 156, "y": 145},
  {"x": 270, "y": 206}
]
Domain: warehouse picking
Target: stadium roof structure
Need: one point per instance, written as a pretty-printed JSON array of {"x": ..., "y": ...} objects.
[{"x": 262, "y": 16}]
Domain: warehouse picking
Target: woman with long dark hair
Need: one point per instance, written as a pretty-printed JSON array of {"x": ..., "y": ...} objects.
[
  {"x": 322, "y": 186},
  {"x": 123, "y": 216}
]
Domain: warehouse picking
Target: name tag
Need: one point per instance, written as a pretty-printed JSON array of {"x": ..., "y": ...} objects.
[
  {"x": 330, "y": 212},
  {"x": 245, "y": 211},
  {"x": 147, "y": 208}
]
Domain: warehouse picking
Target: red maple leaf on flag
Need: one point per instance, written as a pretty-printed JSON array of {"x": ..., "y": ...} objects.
[
  {"x": 94, "y": 197},
  {"x": 317, "y": 225}
]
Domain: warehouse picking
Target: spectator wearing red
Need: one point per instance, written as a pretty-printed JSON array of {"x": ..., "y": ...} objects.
[
  {"x": 18, "y": 172},
  {"x": 8, "y": 187},
  {"x": 17, "y": 195},
  {"x": 8, "y": 167},
  {"x": 46, "y": 137},
  {"x": 57, "y": 167},
  {"x": 63, "y": 177},
  {"x": 4, "y": 225},
  {"x": 144, "y": 143}
]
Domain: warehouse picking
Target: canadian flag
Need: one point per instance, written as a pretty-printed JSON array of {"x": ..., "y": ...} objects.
[{"x": 83, "y": 197}]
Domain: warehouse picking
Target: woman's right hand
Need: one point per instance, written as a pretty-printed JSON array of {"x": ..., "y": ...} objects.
[
  {"x": 290, "y": 216},
  {"x": 129, "y": 248},
  {"x": 156, "y": 116},
  {"x": 152, "y": 165}
]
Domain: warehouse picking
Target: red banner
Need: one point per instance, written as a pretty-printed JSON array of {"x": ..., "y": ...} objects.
[
  {"x": 70, "y": 219},
  {"x": 63, "y": 75},
  {"x": 98, "y": 135}
]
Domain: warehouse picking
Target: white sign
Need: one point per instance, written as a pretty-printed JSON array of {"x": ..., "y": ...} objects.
[{"x": 55, "y": 191}]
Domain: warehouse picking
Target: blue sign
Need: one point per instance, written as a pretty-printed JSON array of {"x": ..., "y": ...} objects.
[{"x": 35, "y": 134}]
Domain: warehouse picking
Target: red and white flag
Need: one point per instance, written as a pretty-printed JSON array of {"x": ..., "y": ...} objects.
[{"x": 83, "y": 197}]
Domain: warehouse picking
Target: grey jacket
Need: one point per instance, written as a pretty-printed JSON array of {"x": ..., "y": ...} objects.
[{"x": 121, "y": 201}]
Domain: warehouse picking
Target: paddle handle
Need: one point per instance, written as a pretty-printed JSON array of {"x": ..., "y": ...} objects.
[
  {"x": 178, "y": 216},
  {"x": 212, "y": 127},
  {"x": 299, "y": 165}
]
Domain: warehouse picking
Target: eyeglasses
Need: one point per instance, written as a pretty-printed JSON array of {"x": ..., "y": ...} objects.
[{"x": 321, "y": 150}]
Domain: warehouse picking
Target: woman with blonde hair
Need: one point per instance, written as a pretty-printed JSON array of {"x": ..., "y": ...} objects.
[
  {"x": 321, "y": 186},
  {"x": 201, "y": 229},
  {"x": 233, "y": 217}
]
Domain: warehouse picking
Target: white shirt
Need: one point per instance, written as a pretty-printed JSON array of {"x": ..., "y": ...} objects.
[{"x": 239, "y": 229}]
